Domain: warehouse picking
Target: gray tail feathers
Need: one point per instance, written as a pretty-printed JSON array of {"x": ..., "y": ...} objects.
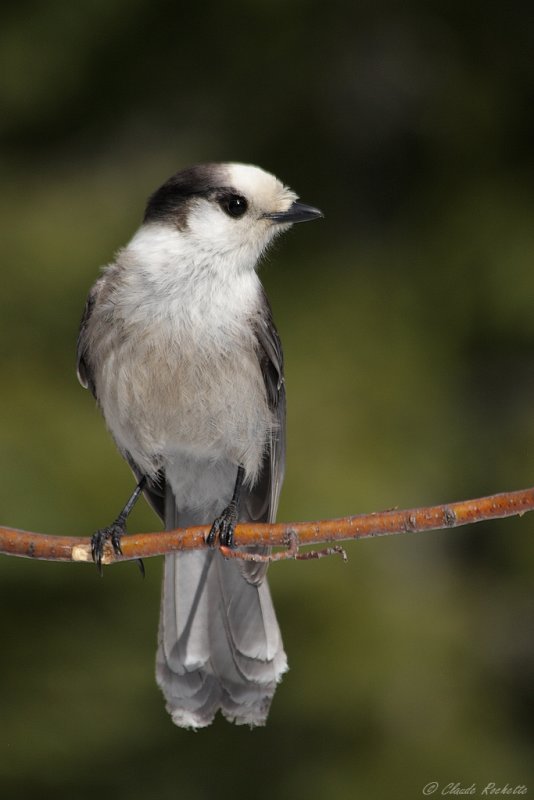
[{"x": 219, "y": 644}]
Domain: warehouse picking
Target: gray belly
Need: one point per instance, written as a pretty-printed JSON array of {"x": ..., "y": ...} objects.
[{"x": 194, "y": 411}]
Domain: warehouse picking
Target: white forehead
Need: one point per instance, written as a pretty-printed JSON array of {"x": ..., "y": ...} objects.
[{"x": 260, "y": 187}]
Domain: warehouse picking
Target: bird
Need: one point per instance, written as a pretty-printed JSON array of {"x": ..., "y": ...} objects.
[{"x": 178, "y": 346}]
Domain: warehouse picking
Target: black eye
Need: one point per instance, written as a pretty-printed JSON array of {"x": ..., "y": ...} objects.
[{"x": 235, "y": 205}]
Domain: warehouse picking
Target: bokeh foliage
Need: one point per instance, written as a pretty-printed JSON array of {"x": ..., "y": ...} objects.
[{"x": 409, "y": 336}]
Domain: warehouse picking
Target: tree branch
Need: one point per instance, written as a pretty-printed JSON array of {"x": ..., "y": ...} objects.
[{"x": 41, "y": 546}]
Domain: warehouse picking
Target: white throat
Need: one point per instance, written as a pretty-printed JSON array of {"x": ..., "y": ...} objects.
[{"x": 167, "y": 277}]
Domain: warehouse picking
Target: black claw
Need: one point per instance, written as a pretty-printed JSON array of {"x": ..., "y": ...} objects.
[
  {"x": 223, "y": 528},
  {"x": 116, "y": 540},
  {"x": 212, "y": 535},
  {"x": 226, "y": 536}
]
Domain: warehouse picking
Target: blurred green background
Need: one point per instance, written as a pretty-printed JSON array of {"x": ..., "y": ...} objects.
[{"x": 409, "y": 337}]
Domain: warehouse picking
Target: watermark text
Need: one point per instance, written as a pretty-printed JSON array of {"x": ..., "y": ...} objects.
[{"x": 490, "y": 789}]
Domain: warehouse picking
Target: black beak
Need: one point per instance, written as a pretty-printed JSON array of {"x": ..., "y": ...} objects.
[{"x": 298, "y": 212}]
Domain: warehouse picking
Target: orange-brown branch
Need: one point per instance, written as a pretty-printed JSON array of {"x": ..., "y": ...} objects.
[{"x": 290, "y": 535}]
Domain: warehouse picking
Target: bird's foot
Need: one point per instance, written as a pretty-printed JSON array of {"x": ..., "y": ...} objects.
[
  {"x": 223, "y": 527},
  {"x": 112, "y": 533}
]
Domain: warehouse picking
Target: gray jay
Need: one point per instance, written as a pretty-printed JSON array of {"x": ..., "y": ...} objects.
[{"x": 178, "y": 346}]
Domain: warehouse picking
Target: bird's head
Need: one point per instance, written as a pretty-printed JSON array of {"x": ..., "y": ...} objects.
[{"x": 228, "y": 210}]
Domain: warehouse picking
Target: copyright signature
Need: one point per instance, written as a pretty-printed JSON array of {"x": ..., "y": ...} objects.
[{"x": 491, "y": 789}]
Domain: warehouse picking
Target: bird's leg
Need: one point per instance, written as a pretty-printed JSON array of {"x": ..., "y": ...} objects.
[
  {"x": 223, "y": 527},
  {"x": 116, "y": 531}
]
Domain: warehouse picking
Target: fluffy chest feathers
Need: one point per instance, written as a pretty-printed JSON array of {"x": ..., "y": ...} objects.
[{"x": 174, "y": 357}]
